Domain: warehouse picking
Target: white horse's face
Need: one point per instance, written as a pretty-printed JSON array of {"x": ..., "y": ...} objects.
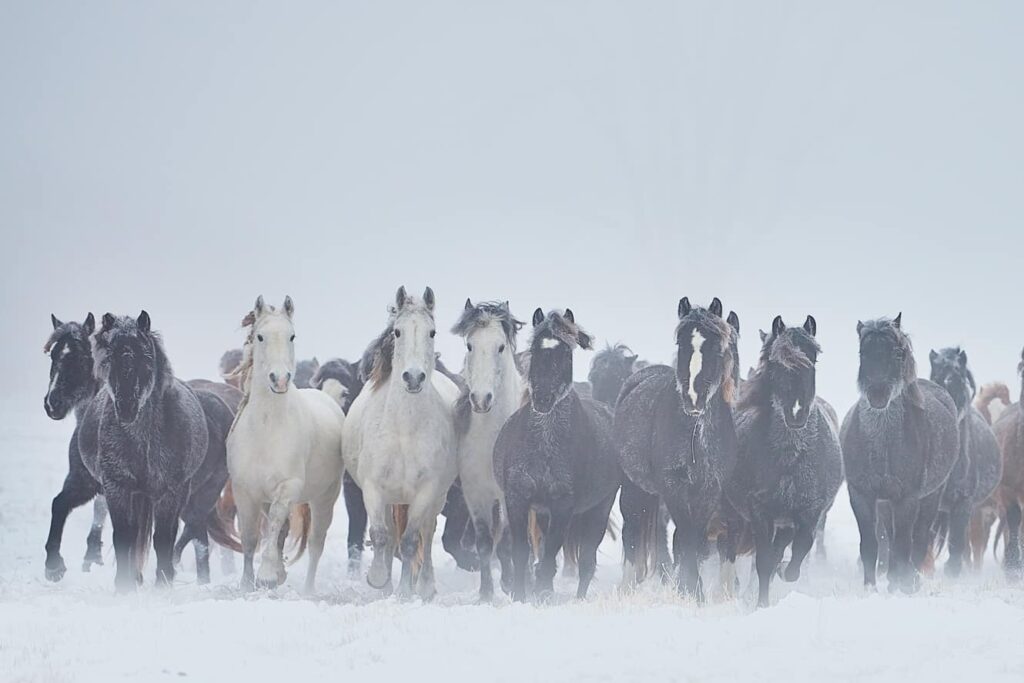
[
  {"x": 273, "y": 352},
  {"x": 414, "y": 332},
  {"x": 487, "y": 353}
]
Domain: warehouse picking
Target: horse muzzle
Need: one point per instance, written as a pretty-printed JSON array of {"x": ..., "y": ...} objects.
[{"x": 481, "y": 404}]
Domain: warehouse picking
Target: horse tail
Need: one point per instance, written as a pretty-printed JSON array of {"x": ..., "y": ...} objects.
[
  {"x": 299, "y": 522},
  {"x": 400, "y": 514},
  {"x": 571, "y": 549},
  {"x": 646, "y": 552},
  {"x": 143, "y": 513},
  {"x": 221, "y": 531}
]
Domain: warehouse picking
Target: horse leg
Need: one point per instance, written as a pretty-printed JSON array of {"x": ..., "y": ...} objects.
[
  {"x": 959, "y": 518},
  {"x": 481, "y": 513},
  {"x": 519, "y": 530},
  {"x": 591, "y": 527},
  {"x": 906, "y": 519},
  {"x": 456, "y": 515},
  {"x": 165, "y": 529},
  {"x": 422, "y": 510},
  {"x": 228, "y": 512},
  {"x": 980, "y": 528},
  {"x": 803, "y": 539},
  {"x": 764, "y": 557},
  {"x": 865, "y": 510},
  {"x": 425, "y": 586},
  {"x": 1012, "y": 555},
  {"x": 640, "y": 512},
  {"x": 691, "y": 540},
  {"x": 504, "y": 548},
  {"x": 94, "y": 541},
  {"x": 727, "y": 544},
  {"x": 381, "y": 523},
  {"x": 356, "y": 523},
  {"x": 819, "y": 537},
  {"x": 76, "y": 491},
  {"x": 248, "y": 512},
  {"x": 125, "y": 537},
  {"x": 923, "y": 539},
  {"x": 271, "y": 572},
  {"x": 321, "y": 515},
  {"x": 665, "y": 561}
]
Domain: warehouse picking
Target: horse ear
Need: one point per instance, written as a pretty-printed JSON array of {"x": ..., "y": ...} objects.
[
  {"x": 860, "y": 326},
  {"x": 898, "y": 320},
  {"x": 316, "y": 364},
  {"x": 684, "y": 308},
  {"x": 734, "y": 322},
  {"x": 778, "y": 327},
  {"x": 811, "y": 326},
  {"x": 538, "y": 317},
  {"x": 631, "y": 360},
  {"x": 108, "y": 321},
  {"x": 428, "y": 298},
  {"x": 258, "y": 308},
  {"x": 716, "y": 307},
  {"x": 584, "y": 339},
  {"x": 763, "y": 335},
  {"x": 568, "y": 315},
  {"x": 400, "y": 297},
  {"x": 504, "y": 306},
  {"x": 143, "y": 322},
  {"x": 963, "y": 358},
  {"x": 89, "y": 325},
  {"x": 469, "y": 304},
  {"x": 933, "y": 356},
  {"x": 289, "y": 306},
  {"x": 56, "y": 323}
]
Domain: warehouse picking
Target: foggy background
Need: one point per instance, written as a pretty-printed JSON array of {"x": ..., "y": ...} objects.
[{"x": 788, "y": 157}]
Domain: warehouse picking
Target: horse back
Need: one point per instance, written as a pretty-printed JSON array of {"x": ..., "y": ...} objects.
[
  {"x": 646, "y": 399},
  {"x": 986, "y": 458}
]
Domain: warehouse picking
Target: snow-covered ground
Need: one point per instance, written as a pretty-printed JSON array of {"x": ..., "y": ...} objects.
[{"x": 823, "y": 628}]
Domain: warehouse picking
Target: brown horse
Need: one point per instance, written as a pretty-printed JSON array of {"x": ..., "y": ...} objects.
[
  {"x": 993, "y": 399},
  {"x": 1009, "y": 497}
]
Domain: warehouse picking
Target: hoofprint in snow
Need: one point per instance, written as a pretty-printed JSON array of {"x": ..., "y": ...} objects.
[{"x": 823, "y": 628}]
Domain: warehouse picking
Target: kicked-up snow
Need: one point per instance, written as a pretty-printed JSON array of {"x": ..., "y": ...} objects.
[{"x": 825, "y": 627}]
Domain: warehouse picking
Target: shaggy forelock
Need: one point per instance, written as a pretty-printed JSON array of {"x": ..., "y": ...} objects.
[
  {"x": 556, "y": 326},
  {"x": 485, "y": 313},
  {"x": 126, "y": 326},
  {"x": 787, "y": 349},
  {"x": 69, "y": 329}
]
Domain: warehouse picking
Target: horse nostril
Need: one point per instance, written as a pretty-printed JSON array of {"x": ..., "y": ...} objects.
[
  {"x": 423, "y": 376},
  {"x": 406, "y": 377},
  {"x": 273, "y": 378},
  {"x": 488, "y": 398}
]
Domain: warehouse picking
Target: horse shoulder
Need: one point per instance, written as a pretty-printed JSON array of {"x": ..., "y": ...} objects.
[{"x": 447, "y": 389}]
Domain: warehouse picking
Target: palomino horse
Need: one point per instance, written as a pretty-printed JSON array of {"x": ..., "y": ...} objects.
[
  {"x": 494, "y": 391},
  {"x": 284, "y": 447},
  {"x": 400, "y": 445},
  {"x": 899, "y": 446},
  {"x": 993, "y": 398},
  {"x": 790, "y": 465}
]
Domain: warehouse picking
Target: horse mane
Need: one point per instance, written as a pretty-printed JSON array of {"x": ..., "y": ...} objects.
[
  {"x": 905, "y": 351},
  {"x": 783, "y": 350},
  {"x": 483, "y": 314},
  {"x": 711, "y": 325},
  {"x": 375, "y": 367},
  {"x": 229, "y": 361},
  {"x": 619, "y": 350},
  {"x": 556, "y": 325}
]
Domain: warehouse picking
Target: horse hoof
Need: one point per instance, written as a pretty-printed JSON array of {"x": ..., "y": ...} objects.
[
  {"x": 792, "y": 573},
  {"x": 378, "y": 577},
  {"x": 267, "y": 584},
  {"x": 56, "y": 573}
]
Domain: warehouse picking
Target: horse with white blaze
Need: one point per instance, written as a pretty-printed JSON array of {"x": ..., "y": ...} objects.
[{"x": 284, "y": 447}]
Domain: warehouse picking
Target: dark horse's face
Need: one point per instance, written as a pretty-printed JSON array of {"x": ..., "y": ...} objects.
[
  {"x": 791, "y": 356},
  {"x": 949, "y": 370},
  {"x": 340, "y": 379},
  {"x": 703, "y": 356},
  {"x": 126, "y": 363},
  {"x": 71, "y": 380},
  {"x": 609, "y": 371},
  {"x": 555, "y": 336},
  {"x": 882, "y": 359}
]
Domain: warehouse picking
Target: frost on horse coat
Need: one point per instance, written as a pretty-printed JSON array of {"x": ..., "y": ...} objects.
[
  {"x": 400, "y": 445},
  {"x": 284, "y": 448},
  {"x": 900, "y": 442}
]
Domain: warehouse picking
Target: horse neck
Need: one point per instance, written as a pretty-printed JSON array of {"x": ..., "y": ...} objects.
[{"x": 511, "y": 388}]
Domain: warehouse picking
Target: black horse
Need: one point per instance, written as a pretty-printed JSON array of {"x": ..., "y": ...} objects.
[
  {"x": 677, "y": 440},
  {"x": 157, "y": 446},
  {"x": 979, "y": 466},
  {"x": 899, "y": 446},
  {"x": 71, "y": 388},
  {"x": 341, "y": 380},
  {"x": 790, "y": 464},
  {"x": 555, "y": 456}
]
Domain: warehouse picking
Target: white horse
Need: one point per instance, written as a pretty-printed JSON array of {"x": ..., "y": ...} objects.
[
  {"x": 495, "y": 391},
  {"x": 284, "y": 447},
  {"x": 400, "y": 445}
]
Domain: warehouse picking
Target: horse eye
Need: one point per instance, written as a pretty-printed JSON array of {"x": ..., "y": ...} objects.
[
  {"x": 501, "y": 348},
  {"x": 469, "y": 347},
  {"x": 293, "y": 338},
  {"x": 398, "y": 333},
  {"x": 259, "y": 337},
  {"x": 432, "y": 333}
]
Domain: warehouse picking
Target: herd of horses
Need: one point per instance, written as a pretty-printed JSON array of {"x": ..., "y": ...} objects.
[{"x": 524, "y": 463}]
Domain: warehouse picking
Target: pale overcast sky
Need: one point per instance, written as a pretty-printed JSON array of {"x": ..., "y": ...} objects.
[{"x": 788, "y": 157}]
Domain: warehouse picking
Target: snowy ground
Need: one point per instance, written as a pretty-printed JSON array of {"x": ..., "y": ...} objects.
[{"x": 823, "y": 628}]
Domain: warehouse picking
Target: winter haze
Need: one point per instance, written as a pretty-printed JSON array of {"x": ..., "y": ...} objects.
[{"x": 792, "y": 158}]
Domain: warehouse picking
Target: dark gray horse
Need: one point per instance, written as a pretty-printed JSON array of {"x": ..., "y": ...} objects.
[
  {"x": 677, "y": 440},
  {"x": 979, "y": 466},
  {"x": 900, "y": 443},
  {"x": 555, "y": 456},
  {"x": 149, "y": 438},
  {"x": 790, "y": 464}
]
